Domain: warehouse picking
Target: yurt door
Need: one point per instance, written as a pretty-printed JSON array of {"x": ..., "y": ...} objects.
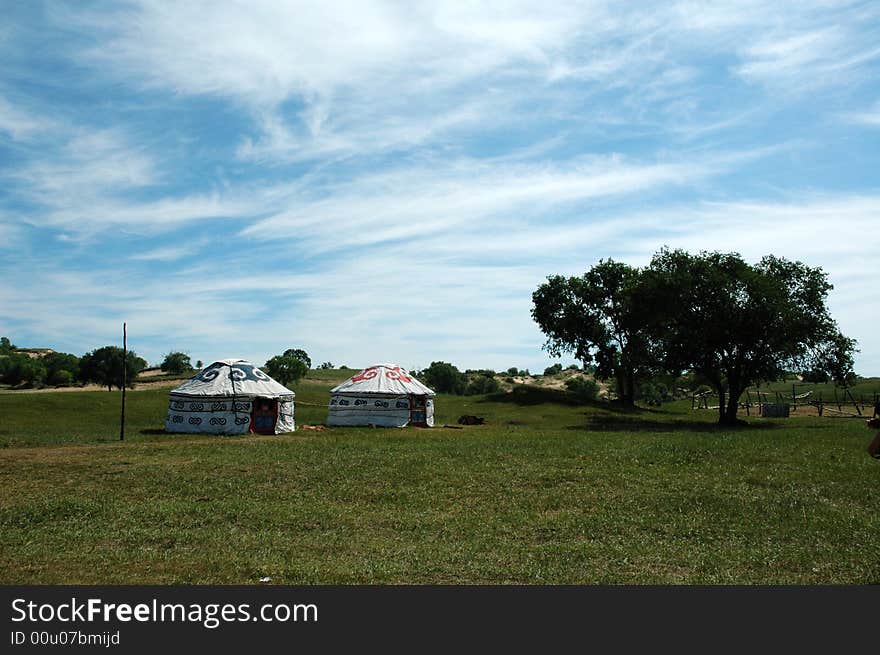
[
  {"x": 417, "y": 413},
  {"x": 265, "y": 415}
]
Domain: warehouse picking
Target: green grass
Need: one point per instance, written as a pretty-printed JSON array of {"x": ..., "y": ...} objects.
[{"x": 546, "y": 492}]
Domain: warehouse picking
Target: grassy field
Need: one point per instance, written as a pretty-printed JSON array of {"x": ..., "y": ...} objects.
[{"x": 546, "y": 492}]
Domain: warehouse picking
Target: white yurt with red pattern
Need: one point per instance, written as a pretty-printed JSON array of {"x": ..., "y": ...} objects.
[{"x": 384, "y": 395}]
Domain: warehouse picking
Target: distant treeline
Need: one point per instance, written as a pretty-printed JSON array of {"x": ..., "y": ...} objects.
[{"x": 103, "y": 366}]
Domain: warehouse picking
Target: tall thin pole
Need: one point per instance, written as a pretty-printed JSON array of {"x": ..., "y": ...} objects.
[{"x": 124, "y": 357}]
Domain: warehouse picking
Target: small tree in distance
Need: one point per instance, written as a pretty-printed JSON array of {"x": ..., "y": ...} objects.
[
  {"x": 176, "y": 363},
  {"x": 104, "y": 366},
  {"x": 444, "y": 378},
  {"x": 61, "y": 368},
  {"x": 289, "y": 367},
  {"x": 299, "y": 354}
]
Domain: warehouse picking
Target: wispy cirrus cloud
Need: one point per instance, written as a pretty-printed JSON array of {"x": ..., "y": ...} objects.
[
  {"x": 355, "y": 78},
  {"x": 169, "y": 253},
  {"x": 19, "y": 123},
  {"x": 203, "y": 168},
  {"x": 91, "y": 163},
  {"x": 398, "y": 294},
  {"x": 868, "y": 118}
]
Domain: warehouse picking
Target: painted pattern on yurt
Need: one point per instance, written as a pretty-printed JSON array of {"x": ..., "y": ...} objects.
[
  {"x": 231, "y": 396},
  {"x": 383, "y": 395}
]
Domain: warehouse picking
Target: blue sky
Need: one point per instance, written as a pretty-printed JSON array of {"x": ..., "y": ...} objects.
[{"x": 390, "y": 181}]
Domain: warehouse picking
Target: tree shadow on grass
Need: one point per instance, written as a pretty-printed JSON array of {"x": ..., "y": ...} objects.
[
  {"x": 622, "y": 423},
  {"x": 524, "y": 394}
]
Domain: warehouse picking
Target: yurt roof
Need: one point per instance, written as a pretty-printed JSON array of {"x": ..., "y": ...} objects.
[
  {"x": 232, "y": 377},
  {"x": 384, "y": 379}
]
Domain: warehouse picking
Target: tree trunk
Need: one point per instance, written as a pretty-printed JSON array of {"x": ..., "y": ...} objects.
[
  {"x": 625, "y": 392},
  {"x": 620, "y": 378},
  {"x": 722, "y": 405},
  {"x": 631, "y": 389},
  {"x": 729, "y": 413}
]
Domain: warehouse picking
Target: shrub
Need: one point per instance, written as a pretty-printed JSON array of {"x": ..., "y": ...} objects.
[
  {"x": 583, "y": 388},
  {"x": 18, "y": 368},
  {"x": 553, "y": 370},
  {"x": 61, "y": 378},
  {"x": 487, "y": 372},
  {"x": 57, "y": 362},
  {"x": 654, "y": 393},
  {"x": 444, "y": 378},
  {"x": 482, "y": 384}
]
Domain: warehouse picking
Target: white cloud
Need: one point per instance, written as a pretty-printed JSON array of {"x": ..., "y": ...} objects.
[
  {"x": 426, "y": 200},
  {"x": 90, "y": 164},
  {"x": 803, "y": 60},
  {"x": 411, "y": 172},
  {"x": 350, "y": 78},
  {"x": 869, "y": 118},
  {"x": 462, "y": 295},
  {"x": 21, "y": 124},
  {"x": 263, "y": 52},
  {"x": 10, "y": 234},
  {"x": 168, "y": 253}
]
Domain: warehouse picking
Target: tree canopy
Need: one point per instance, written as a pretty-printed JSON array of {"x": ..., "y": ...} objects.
[
  {"x": 595, "y": 318},
  {"x": 176, "y": 363},
  {"x": 731, "y": 323},
  {"x": 299, "y": 354},
  {"x": 736, "y": 324},
  {"x": 444, "y": 377},
  {"x": 61, "y": 368},
  {"x": 18, "y": 368},
  {"x": 288, "y": 367},
  {"x": 104, "y": 366}
]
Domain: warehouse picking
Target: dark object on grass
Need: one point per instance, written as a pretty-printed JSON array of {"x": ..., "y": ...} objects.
[
  {"x": 874, "y": 446},
  {"x": 468, "y": 419},
  {"x": 452, "y": 427}
]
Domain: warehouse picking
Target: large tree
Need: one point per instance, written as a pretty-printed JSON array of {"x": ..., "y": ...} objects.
[
  {"x": 289, "y": 367},
  {"x": 104, "y": 366},
  {"x": 595, "y": 318},
  {"x": 736, "y": 324}
]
